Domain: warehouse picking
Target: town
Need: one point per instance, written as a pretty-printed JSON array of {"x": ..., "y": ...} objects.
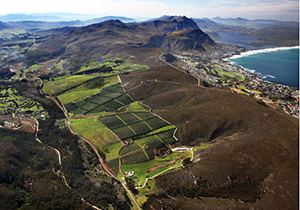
[{"x": 221, "y": 73}]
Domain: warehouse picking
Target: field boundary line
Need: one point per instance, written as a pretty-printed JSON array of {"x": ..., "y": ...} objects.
[
  {"x": 159, "y": 139},
  {"x": 131, "y": 129},
  {"x": 150, "y": 109},
  {"x": 175, "y": 133},
  {"x": 154, "y": 176},
  {"x": 124, "y": 88},
  {"x": 142, "y": 148},
  {"x": 129, "y": 153},
  {"x": 126, "y": 124},
  {"x": 162, "y": 118},
  {"x": 119, "y": 102}
]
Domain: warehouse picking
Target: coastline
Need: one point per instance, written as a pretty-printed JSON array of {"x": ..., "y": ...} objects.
[
  {"x": 259, "y": 51},
  {"x": 266, "y": 50}
]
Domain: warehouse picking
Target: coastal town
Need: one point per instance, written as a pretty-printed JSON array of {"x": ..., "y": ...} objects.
[{"x": 222, "y": 73}]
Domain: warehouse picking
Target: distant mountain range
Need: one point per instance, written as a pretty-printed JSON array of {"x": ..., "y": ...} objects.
[
  {"x": 54, "y": 20},
  {"x": 28, "y": 17},
  {"x": 60, "y": 16},
  {"x": 250, "y": 23},
  {"x": 25, "y": 21},
  {"x": 100, "y": 36},
  {"x": 175, "y": 34}
]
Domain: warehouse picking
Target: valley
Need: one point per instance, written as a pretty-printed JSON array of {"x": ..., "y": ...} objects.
[{"x": 143, "y": 116}]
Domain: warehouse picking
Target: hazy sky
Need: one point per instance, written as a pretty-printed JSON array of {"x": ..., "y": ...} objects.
[{"x": 252, "y": 9}]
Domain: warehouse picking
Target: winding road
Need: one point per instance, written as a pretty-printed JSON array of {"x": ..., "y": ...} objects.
[
  {"x": 91, "y": 144},
  {"x": 57, "y": 102}
]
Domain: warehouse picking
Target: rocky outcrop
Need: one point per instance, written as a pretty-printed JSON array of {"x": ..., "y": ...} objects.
[{"x": 171, "y": 23}]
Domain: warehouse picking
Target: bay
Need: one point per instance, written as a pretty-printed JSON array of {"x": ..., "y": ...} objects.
[
  {"x": 238, "y": 39},
  {"x": 278, "y": 65}
]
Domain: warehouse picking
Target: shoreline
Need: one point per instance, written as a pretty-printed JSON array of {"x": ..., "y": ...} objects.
[
  {"x": 254, "y": 52},
  {"x": 266, "y": 50}
]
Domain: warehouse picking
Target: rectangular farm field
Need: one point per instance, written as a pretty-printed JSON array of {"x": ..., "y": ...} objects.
[
  {"x": 112, "y": 122},
  {"x": 140, "y": 128},
  {"x": 116, "y": 88},
  {"x": 113, "y": 94},
  {"x": 156, "y": 123},
  {"x": 124, "y": 132},
  {"x": 80, "y": 103},
  {"x": 144, "y": 115},
  {"x": 151, "y": 146},
  {"x": 80, "y": 111},
  {"x": 129, "y": 148},
  {"x": 129, "y": 118},
  {"x": 124, "y": 99},
  {"x": 97, "y": 110},
  {"x": 136, "y": 157},
  {"x": 150, "y": 143},
  {"x": 99, "y": 99},
  {"x": 113, "y": 104},
  {"x": 167, "y": 134},
  {"x": 71, "y": 107},
  {"x": 104, "y": 92},
  {"x": 89, "y": 106}
]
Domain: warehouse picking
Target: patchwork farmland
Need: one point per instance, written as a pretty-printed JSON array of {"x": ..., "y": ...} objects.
[
  {"x": 131, "y": 137},
  {"x": 110, "y": 98},
  {"x": 141, "y": 132}
]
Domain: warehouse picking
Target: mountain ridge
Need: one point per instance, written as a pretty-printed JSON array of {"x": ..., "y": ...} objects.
[
  {"x": 171, "y": 23},
  {"x": 115, "y": 36}
]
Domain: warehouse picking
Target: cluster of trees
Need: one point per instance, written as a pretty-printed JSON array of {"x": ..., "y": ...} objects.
[{"x": 131, "y": 185}]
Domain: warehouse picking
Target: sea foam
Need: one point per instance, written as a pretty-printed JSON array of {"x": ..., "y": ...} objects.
[{"x": 253, "y": 52}]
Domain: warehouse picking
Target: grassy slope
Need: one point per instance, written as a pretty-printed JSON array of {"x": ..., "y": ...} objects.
[
  {"x": 85, "y": 90},
  {"x": 94, "y": 130},
  {"x": 63, "y": 83}
]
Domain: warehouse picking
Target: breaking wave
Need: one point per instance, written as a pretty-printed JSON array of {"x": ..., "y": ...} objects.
[
  {"x": 271, "y": 76},
  {"x": 253, "y": 52}
]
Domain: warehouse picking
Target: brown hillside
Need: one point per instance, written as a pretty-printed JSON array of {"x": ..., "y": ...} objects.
[
  {"x": 114, "y": 37},
  {"x": 255, "y": 155}
]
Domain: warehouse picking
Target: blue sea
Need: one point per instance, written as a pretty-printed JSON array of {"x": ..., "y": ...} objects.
[{"x": 278, "y": 65}]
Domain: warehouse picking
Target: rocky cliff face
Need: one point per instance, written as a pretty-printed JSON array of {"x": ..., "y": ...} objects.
[{"x": 182, "y": 41}]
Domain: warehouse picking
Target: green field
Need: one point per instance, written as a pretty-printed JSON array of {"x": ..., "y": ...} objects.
[
  {"x": 110, "y": 98},
  {"x": 111, "y": 67},
  {"x": 95, "y": 131},
  {"x": 225, "y": 76},
  {"x": 64, "y": 83},
  {"x": 128, "y": 125},
  {"x": 143, "y": 139},
  {"x": 87, "y": 89},
  {"x": 152, "y": 167}
]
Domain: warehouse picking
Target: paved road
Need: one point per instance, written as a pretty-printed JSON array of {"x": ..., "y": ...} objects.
[{"x": 95, "y": 150}]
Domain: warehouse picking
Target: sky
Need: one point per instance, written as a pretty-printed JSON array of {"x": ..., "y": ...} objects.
[{"x": 287, "y": 10}]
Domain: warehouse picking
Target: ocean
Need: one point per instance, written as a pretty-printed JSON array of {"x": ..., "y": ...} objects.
[{"x": 278, "y": 65}]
